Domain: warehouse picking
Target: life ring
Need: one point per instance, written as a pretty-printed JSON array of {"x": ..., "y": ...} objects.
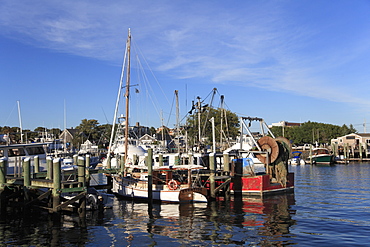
[{"x": 172, "y": 184}]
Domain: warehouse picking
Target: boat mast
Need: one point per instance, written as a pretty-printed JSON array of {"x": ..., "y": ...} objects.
[
  {"x": 118, "y": 98},
  {"x": 177, "y": 121},
  {"x": 20, "y": 120},
  {"x": 127, "y": 91}
]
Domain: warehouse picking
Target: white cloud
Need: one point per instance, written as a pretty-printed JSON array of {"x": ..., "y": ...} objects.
[{"x": 259, "y": 45}]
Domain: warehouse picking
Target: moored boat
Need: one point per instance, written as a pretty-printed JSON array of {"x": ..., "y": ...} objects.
[
  {"x": 322, "y": 156},
  {"x": 15, "y": 153},
  {"x": 274, "y": 154},
  {"x": 170, "y": 184},
  {"x": 296, "y": 159}
]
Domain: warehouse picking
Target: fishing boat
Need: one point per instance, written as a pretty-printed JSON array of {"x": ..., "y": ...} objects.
[
  {"x": 322, "y": 156},
  {"x": 172, "y": 183},
  {"x": 273, "y": 153}
]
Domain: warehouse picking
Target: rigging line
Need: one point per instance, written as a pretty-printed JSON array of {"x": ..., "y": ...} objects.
[
  {"x": 151, "y": 71},
  {"x": 173, "y": 99},
  {"x": 208, "y": 112},
  {"x": 10, "y": 114},
  {"x": 148, "y": 86}
]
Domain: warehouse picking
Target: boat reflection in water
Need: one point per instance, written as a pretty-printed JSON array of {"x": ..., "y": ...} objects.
[
  {"x": 272, "y": 216},
  {"x": 244, "y": 221}
]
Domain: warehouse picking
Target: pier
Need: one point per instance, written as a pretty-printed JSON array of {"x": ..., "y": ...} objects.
[{"x": 46, "y": 190}]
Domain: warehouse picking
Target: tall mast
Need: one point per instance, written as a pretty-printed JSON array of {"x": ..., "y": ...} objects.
[
  {"x": 127, "y": 95},
  {"x": 118, "y": 96},
  {"x": 20, "y": 120},
  {"x": 177, "y": 121}
]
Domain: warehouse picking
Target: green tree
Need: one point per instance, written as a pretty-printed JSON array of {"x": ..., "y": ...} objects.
[
  {"x": 312, "y": 132},
  {"x": 226, "y": 125},
  {"x": 89, "y": 128}
]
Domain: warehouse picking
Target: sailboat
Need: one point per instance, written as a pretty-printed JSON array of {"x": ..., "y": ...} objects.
[{"x": 171, "y": 183}]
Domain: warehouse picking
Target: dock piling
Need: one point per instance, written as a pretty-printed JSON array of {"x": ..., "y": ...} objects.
[
  {"x": 49, "y": 167},
  {"x": 150, "y": 176},
  {"x": 36, "y": 164},
  {"x": 56, "y": 184},
  {"x": 212, "y": 167}
]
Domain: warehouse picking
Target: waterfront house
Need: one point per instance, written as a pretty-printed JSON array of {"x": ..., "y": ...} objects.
[{"x": 353, "y": 142}]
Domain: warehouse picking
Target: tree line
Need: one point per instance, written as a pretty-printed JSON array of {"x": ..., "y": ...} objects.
[
  {"x": 226, "y": 126},
  {"x": 313, "y": 132}
]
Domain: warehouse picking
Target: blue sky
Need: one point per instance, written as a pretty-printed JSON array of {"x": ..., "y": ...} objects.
[{"x": 294, "y": 61}]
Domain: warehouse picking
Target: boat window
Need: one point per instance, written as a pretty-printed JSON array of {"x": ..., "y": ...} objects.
[
  {"x": 16, "y": 152},
  {"x": 35, "y": 150}
]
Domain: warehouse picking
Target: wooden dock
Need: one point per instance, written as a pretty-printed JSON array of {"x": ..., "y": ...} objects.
[{"x": 46, "y": 190}]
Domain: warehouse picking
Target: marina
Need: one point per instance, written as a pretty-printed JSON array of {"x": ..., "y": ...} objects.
[
  {"x": 329, "y": 208},
  {"x": 207, "y": 168}
]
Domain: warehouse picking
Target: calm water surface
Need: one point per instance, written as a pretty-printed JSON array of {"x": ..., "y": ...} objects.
[{"x": 330, "y": 207}]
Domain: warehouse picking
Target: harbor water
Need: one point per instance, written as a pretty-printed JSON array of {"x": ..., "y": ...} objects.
[{"x": 329, "y": 207}]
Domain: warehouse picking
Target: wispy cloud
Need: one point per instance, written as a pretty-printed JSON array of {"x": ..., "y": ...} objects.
[{"x": 255, "y": 45}]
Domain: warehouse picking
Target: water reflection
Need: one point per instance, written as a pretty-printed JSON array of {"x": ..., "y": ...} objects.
[{"x": 244, "y": 221}]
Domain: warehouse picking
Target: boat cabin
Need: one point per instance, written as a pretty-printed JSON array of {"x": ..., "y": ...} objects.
[{"x": 15, "y": 153}]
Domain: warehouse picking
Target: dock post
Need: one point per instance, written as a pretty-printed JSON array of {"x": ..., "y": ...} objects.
[
  {"x": 311, "y": 154},
  {"x": 36, "y": 164},
  {"x": 3, "y": 171},
  {"x": 56, "y": 184},
  {"x": 27, "y": 172},
  {"x": 226, "y": 162},
  {"x": 26, "y": 163},
  {"x": 150, "y": 176},
  {"x": 75, "y": 159},
  {"x": 49, "y": 167},
  {"x": 360, "y": 150},
  {"x": 212, "y": 167},
  {"x": 81, "y": 171},
  {"x": 87, "y": 162}
]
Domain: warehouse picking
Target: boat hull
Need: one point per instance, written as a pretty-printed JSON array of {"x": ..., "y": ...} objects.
[
  {"x": 138, "y": 190},
  {"x": 323, "y": 159},
  {"x": 260, "y": 185}
]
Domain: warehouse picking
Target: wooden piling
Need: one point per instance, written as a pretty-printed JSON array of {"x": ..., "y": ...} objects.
[
  {"x": 81, "y": 171},
  {"x": 27, "y": 172},
  {"x": 150, "y": 175},
  {"x": 26, "y": 164},
  {"x": 87, "y": 161},
  {"x": 75, "y": 159},
  {"x": 212, "y": 167},
  {"x": 56, "y": 184},
  {"x": 49, "y": 167},
  {"x": 3, "y": 171},
  {"x": 226, "y": 161},
  {"x": 36, "y": 164}
]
